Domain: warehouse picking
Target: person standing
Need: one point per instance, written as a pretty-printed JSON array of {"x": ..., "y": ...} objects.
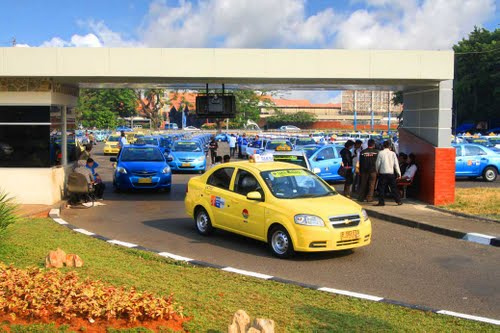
[
  {"x": 213, "y": 146},
  {"x": 368, "y": 171},
  {"x": 346, "y": 155},
  {"x": 232, "y": 145},
  {"x": 123, "y": 140},
  {"x": 355, "y": 163},
  {"x": 387, "y": 167}
]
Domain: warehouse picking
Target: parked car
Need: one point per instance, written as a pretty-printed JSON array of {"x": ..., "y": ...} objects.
[
  {"x": 289, "y": 128},
  {"x": 191, "y": 128},
  {"x": 474, "y": 161},
  {"x": 325, "y": 160},
  {"x": 171, "y": 126},
  {"x": 187, "y": 156},
  {"x": 141, "y": 167}
]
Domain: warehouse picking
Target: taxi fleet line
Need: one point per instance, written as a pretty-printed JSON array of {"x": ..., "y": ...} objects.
[{"x": 55, "y": 215}]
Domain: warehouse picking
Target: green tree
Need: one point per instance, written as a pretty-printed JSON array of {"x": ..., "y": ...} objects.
[
  {"x": 102, "y": 107},
  {"x": 300, "y": 119},
  {"x": 476, "y": 90},
  {"x": 151, "y": 105}
]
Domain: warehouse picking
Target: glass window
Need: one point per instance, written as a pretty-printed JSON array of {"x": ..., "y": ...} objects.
[
  {"x": 221, "y": 178},
  {"x": 295, "y": 183},
  {"x": 339, "y": 149},
  {"x": 141, "y": 154},
  {"x": 293, "y": 159},
  {"x": 458, "y": 151},
  {"x": 26, "y": 146},
  {"x": 188, "y": 146},
  {"x": 245, "y": 182},
  {"x": 326, "y": 154},
  {"x": 24, "y": 114},
  {"x": 473, "y": 151}
]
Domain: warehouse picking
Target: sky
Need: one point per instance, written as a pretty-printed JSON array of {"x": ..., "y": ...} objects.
[{"x": 316, "y": 24}]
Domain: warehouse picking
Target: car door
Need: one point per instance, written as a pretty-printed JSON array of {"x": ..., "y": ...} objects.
[
  {"x": 247, "y": 216},
  {"x": 217, "y": 194},
  {"x": 324, "y": 159},
  {"x": 473, "y": 157},
  {"x": 459, "y": 162}
]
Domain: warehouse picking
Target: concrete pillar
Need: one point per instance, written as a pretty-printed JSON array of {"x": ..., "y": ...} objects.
[
  {"x": 426, "y": 132},
  {"x": 64, "y": 135}
]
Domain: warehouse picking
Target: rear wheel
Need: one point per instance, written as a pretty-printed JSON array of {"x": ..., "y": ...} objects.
[
  {"x": 490, "y": 174},
  {"x": 280, "y": 243},
  {"x": 203, "y": 223}
]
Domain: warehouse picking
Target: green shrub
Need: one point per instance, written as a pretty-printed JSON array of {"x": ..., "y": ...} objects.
[{"x": 7, "y": 210}]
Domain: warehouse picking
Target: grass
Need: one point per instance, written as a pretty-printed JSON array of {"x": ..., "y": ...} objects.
[
  {"x": 212, "y": 296},
  {"x": 483, "y": 202}
]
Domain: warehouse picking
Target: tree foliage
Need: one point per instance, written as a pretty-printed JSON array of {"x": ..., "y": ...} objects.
[
  {"x": 299, "y": 119},
  {"x": 151, "y": 105},
  {"x": 101, "y": 107},
  {"x": 477, "y": 76}
]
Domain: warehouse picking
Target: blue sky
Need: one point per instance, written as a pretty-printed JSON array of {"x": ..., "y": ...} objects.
[{"x": 33, "y": 22}]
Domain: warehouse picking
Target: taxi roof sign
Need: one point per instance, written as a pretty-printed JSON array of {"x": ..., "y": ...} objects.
[{"x": 258, "y": 158}]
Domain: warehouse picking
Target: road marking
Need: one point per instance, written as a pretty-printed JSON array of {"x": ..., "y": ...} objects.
[
  {"x": 466, "y": 316},
  {"x": 117, "y": 242},
  {"x": 59, "y": 220},
  {"x": 85, "y": 232},
  {"x": 478, "y": 238},
  {"x": 351, "y": 293},
  {"x": 174, "y": 256},
  {"x": 248, "y": 273}
]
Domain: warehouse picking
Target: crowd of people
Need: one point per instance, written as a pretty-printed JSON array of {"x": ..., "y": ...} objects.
[{"x": 367, "y": 170}]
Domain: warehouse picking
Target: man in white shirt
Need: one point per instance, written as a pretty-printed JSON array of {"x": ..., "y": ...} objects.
[
  {"x": 123, "y": 141},
  {"x": 387, "y": 167},
  {"x": 232, "y": 144}
]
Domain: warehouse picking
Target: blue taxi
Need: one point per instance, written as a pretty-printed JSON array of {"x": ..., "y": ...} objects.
[
  {"x": 141, "y": 167},
  {"x": 474, "y": 161},
  {"x": 325, "y": 160},
  {"x": 187, "y": 155}
]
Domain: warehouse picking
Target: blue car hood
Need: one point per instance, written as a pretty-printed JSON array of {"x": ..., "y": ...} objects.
[
  {"x": 187, "y": 154},
  {"x": 143, "y": 166}
]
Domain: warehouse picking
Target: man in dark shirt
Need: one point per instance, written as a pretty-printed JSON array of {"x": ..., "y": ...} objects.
[
  {"x": 213, "y": 146},
  {"x": 346, "y": 155},
  {"x": 368, "y": 171}
]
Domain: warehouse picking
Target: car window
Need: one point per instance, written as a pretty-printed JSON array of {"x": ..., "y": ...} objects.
[
  {"x": 295, "y": 183},
  {"x": 473, "y": 150},
  {"x": 338, "y": 150},
  {"x": 326, "y": 154},
  {"x": 141, "y": 155},
  {"x": 294, "y": 159},
  {"x": 458, "y": 152},
  {"x": 221, "y": 178},
  {"x": 245, "y": 182}
]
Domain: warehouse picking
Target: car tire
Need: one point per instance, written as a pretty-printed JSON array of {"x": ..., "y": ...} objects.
[
  {"x": 490, "y": 174},
  {"x": 280, "y": 243},
  {"x": 202, "y": 222}
]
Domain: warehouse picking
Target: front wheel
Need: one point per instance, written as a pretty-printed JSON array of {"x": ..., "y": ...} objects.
[
  {"x": 490, "y": 174},
  {"x": 203, "y": 223},
  {"x": 280, "y": 243}
]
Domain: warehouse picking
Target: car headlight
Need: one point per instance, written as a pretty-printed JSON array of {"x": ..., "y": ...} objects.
[
  {"x": 200, "y": 159},
  {"x": 364, "y": 214},
  {"x": 121, "y": 170},
  {"x": 166, "y": 170},
  {"x": 311, "y": 220}
]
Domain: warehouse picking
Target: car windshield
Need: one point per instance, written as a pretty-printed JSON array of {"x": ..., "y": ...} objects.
[
  {"x": 295, "y": 184},
  {"x": 272, "y": 145},
  {"x": 186, "y": 146},
  {"x": 294, "y": 159},
  {"x": 165, "y": 143},
  {"x": 303, "y": 142},
  {"x": 141, "y": 154},
  {"x": 114, "y": 139},
  {"x": 150, "y": 141},
  {"x": 310, "y": 151},
  {"x": 483, "y": 142}
]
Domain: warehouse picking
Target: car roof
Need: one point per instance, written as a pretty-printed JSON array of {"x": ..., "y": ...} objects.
[
  {"x": 140, "y": 146},
  {"x": 266, "y": 166},
  {"x": 290, "y": 153}
]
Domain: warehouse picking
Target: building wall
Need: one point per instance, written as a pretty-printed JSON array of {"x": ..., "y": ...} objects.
[{"x": 364, "y": 98}]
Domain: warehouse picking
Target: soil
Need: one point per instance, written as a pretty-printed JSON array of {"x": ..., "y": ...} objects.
[{"x": 99, "y": 326}]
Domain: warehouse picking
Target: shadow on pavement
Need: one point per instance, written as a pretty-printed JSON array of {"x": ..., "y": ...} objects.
[{"x": 185, "y": 227}]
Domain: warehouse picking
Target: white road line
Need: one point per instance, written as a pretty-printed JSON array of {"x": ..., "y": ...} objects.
[
  {"x": 351, "y": 293},
  {"x": 248, "y": 273},
  {"x": 117, "y": 242},
  {"x": 59, "y": 220},
  {"x": 85, "y": 232},
  {"x": 466, "y": 316},
  {"x": 478, "y": 238},
  {"x": 174, "y": 256}
]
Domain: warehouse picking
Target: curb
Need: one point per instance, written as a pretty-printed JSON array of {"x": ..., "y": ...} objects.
[
  {"x": 443, "y": 210},
  {"x": 467, "y": 236},
  {"x": 55, "y": 215}
]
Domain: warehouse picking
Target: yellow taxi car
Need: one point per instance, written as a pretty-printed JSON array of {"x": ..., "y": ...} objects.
[
  {"x": 111, "y": 145},
  {"x": 284, "y": 205}
]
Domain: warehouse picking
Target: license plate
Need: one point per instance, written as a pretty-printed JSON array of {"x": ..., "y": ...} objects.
[
  {"x": 185, "y": 164},
  {"x": 144, "y": 181},
  {"x": 349, "y": 235}
]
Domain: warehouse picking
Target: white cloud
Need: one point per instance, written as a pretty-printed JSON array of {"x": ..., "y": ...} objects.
[
  {"x": 314, "y": 96},
  {"x": 409, "y": 24},
  {"x": 22, "y": 45}
]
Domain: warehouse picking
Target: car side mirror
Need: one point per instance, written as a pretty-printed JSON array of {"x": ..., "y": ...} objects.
[
  {"x": 170, "y": 158},
  {"x": 113, "y": 159},
  {"x": 320, "y": 158},
  {"x": 316, "y": 170},
  {"x": 254, "y": 196}
]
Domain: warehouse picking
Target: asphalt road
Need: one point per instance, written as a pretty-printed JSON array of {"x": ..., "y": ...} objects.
[{"x": 402, "y": 263}]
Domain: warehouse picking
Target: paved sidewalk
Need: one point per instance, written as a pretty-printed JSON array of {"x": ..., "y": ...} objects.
[
  {"x": 35, "y": 210},
  {"x": 416, "y": 214}
]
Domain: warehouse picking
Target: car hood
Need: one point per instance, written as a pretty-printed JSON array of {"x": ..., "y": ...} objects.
[
  {"x": 323, "y": 207},
  {"x": 112, "y": 143},
  {"x": 187, "y": 154},
  {"x": 143, "y": 166}
]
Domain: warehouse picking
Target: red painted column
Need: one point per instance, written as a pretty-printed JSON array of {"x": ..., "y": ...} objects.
[{"x": 436, "y": 168}]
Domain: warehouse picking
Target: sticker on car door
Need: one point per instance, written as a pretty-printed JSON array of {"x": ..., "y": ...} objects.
[{"x": 217, "y": 202}]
